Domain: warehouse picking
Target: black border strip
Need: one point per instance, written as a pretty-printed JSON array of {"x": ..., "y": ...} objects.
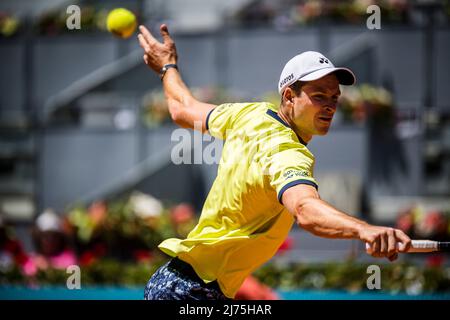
[
  {"x": 294, "y": 183},
  {"x": 207, "y": 118}
]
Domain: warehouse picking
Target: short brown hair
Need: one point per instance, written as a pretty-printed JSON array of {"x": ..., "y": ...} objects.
[{"x": 296, "y": 87}]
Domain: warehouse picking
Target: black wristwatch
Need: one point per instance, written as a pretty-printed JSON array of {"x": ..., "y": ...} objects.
[{"x": 166, "y": 67}]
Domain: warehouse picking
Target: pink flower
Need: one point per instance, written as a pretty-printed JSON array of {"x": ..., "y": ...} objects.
[
  {"x": 182, "y": 213},
  {"x": 63, "y": 260},
  {"x": 29, "y": 268}
]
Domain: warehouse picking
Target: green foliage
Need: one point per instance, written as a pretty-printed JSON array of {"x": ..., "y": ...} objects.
[
  {"x": 351, "y": 276},
  {"x": 11, "y": 275},
  {"x": 102, "y": 272},
  {"x": 121, "y": 227},
  {"x": 111, "y": 272},
  {"x": 366, "y": 102}
]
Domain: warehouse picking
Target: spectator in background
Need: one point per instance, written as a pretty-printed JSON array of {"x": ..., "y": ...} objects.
[
  {"x": 51, "y": 244},
  {"x": 12, "y": 254}
]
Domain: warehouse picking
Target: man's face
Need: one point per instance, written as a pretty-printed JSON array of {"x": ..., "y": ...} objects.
[{"x": 316, "y": 104}]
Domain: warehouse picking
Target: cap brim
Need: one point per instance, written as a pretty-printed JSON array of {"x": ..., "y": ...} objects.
[{"x": 345, "y": 76}]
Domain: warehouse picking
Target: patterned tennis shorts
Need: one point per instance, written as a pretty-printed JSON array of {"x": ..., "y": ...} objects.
[{"x": 177, "y": 280}]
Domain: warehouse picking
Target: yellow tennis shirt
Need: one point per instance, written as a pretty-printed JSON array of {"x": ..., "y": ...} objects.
[{"x": 243, "y": 223}]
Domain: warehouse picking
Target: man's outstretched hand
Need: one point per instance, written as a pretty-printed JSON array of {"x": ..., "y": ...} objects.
[{"x": 157, "y": 54}]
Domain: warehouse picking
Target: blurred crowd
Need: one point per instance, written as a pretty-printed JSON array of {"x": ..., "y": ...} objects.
[
  {"x": 121, "y": 231},
  {"x": 357, "y": 104},
  {"x": 116, "y": 243},
  {"x": 280, "y": 14}
]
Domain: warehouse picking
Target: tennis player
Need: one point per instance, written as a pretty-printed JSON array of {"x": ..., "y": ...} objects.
[{"x": 265, "y": 179}]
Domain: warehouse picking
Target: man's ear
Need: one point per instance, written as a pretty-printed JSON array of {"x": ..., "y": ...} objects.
[{"x": 288, "y": 96}]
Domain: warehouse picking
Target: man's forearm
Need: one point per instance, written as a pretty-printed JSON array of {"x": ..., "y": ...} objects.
[
  {"x": 321, "y": 219},
  {"x": 175, "y": 88},
  {"x": 185, "y": 110}
]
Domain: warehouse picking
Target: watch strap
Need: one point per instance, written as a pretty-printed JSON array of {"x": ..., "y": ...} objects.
[{"x": 166, "y": 67}]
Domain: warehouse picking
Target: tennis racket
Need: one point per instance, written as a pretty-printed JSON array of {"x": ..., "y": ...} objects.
[{"x": 426, "y": 246}]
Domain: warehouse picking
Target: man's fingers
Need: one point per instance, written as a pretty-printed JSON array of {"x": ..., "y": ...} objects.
[
  {"x": 147, "y": 35},
  {"x": 392, "y": 243},
  {"x": 404, "y": 241},
  {"x": 383, "y": 244},
  {"x": 368, "y": 248},
  {"x": 373, "y": 249},
  {"x": 376, "y": 247},
  {"x": 393, "y": 257},
  {"x": 165, "y": 33},
  {"x": 376, "y": 255},
  {"x": 143, "y": 43}
]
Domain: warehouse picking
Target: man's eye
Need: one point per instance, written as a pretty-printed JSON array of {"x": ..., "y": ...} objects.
[{"x": 318, "y": 98}]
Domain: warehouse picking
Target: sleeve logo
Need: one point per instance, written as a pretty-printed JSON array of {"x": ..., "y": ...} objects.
[
  {"x": 222, "y": 107},
  {"x": 295, "y": 173}
]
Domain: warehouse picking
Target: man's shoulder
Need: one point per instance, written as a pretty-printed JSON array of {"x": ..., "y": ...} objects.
[
  {"x": 244, "y": 114},
  {"x": 253, "y": 106}
]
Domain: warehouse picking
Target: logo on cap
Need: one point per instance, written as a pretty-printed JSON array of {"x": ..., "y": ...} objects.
[
  {"x": 323, "y": 59},
  {"x": 285, "y": 80}
]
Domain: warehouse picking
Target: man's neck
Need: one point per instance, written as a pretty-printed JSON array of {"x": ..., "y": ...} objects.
[{"x": 305, "y": 137}]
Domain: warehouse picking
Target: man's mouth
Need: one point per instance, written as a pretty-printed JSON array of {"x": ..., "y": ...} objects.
[{"x": 326, "y": 118}]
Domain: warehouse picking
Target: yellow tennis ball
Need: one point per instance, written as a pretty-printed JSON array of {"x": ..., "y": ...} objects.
[{"x": 121, "y": 22}]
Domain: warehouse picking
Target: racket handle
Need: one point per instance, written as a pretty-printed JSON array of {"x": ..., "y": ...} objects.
[
  {"x": 420, "y": 246},
  {"x": 444, "y": 246}
]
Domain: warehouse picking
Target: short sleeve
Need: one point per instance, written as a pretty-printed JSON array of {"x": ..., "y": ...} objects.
[
  {"x": 290, "y": 165},
  {"x": 223, "y": 117}
]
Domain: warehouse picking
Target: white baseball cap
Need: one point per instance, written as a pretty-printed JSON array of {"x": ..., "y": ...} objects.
[
  {"x": 48, "y": 221},
  {"x": 312, "y": 65}
]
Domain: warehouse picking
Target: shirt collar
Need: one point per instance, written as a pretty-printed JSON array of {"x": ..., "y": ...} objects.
[{"x": 275, "y": 115}]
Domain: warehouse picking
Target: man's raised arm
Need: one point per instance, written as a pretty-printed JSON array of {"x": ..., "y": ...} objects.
[{"x": 185, "y": 110}]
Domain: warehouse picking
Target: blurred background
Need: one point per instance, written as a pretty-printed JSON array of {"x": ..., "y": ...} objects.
[{"x": 86, "y": 175}]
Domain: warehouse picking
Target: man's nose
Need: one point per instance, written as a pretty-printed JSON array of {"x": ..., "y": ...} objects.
[{"x": 331, "y": 107}]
